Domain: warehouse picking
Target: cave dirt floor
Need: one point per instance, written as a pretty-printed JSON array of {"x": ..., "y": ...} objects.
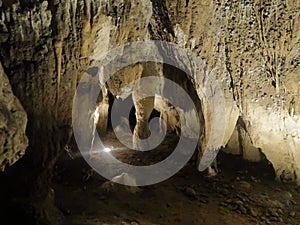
[{"x": 242, "y": 193}]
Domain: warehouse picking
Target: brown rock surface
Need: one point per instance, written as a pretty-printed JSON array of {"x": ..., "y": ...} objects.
[
  {"x": 13, "y": 121},
  {"x": 252, "y": 46}
]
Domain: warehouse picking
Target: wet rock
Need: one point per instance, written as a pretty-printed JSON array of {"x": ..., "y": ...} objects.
[
  {"x": 124, "y": 223},
  {"x": 253, "y": 212},
  {"x": 293, "y": 202},
  {"x": 190, "y": 192},
  {"x": 243, "y": 209},
  {"x": 134, "y": 223},
  {"x": 126, "y": 179},
  {"x": 276, "y": 204},
  {"x": 225, "y": 192},
  {"x": 287, "y": 195},
  {"x": 273, "y": 212},
  {"x": 110, "y": 187},
  {"x": 243, "y": 185},
  {"x": 254, "y": 179},
  {"x": 242, "y": 198},
  {"x": 273, "y": 219},
  {"x": 128, "y": 222},
  {"x": 205, "y": 201},
  {"x": 278, "y": 189},
  {"x": 292, "y": 214},
  {"x": 280, "y": 211},
  {"x": 263, "y": 218}
]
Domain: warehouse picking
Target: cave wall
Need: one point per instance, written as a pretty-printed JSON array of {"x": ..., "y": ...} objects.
[
  {"x": 44, "y": 48},
  {"x": 13, "y": 121},
  {"x": 40, "y": 53},
  {"x": 252, "y": 46}
]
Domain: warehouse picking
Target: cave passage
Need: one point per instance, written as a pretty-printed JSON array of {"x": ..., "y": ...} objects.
[{"x": 233, "y": 68}]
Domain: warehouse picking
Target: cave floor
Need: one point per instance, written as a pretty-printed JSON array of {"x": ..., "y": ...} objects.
[{"x": 242, "y": 193}]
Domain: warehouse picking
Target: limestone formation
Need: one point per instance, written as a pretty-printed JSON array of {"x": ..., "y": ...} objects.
[{"x": 251, "y": 46}]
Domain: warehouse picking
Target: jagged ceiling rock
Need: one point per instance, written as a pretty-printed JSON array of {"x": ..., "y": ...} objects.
[{"x": 13, "y": 120}]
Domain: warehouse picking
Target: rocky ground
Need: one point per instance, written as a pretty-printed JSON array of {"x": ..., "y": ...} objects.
[{"x": 242, "y": 193}]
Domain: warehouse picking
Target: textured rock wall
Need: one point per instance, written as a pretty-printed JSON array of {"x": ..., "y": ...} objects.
[
  {"x": 13, "y": 120},
  {"x": 40, "y": 53},
  {"x": 44, "y": 47},
  {"x": 252, "y": 45}
]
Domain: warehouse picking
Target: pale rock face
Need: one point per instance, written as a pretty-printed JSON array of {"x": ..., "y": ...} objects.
[
  {"x": 253, "y": 47},
  {"x": 232, "y": 115},
  {"x": 13, "y": 120},
  {"x": 278, "y": 135},
  {"x": 241, "y": 144}
]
